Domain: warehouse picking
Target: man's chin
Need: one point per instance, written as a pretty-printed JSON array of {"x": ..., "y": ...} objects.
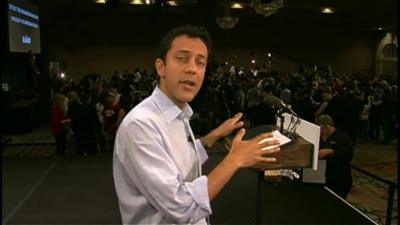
[
  {"x": 189, "y": 96},
  {"x": 186, "y": 99}
]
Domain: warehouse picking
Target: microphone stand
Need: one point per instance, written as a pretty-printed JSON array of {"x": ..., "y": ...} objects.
[
  {"x": 281, "y": 119},
  {"x": 282, "y": 109},
  {"x": 289, "y": 173}
]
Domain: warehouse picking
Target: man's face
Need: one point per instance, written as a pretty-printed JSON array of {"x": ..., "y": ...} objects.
[
  {"x": 324, "y": 131},
  {"x": 182, "y": 72},
  {"x": 110, "y": 99}
]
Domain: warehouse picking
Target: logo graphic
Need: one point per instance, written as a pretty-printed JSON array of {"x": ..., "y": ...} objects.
[{"x": 26, "y": 39}]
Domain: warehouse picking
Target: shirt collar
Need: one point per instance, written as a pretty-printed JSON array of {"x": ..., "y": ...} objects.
[{"x": 168, "y": 108}]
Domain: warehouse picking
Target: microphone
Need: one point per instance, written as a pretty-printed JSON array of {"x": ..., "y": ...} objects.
[
  {"x": 271, "y": 100},
  {"x": 287, "y": 108},
  {"x": 278, "y": 103}
]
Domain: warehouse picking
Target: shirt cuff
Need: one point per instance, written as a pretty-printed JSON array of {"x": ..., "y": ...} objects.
[
  {"x": 202, "y": 151},
  {"x": 198, "y": 189}
]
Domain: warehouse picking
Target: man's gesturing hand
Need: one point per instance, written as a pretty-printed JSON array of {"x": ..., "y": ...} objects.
[{"x": 246, "y": 153}]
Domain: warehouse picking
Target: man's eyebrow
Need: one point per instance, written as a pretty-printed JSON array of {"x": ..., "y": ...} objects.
[
  {"x": 189, "y": 52},
  {"x": 183, "y": 51}
]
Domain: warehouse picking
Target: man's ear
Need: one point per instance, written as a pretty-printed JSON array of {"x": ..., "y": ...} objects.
[{"x": 160, "y": 67}]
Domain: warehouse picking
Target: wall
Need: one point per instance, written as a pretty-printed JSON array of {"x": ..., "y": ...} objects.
[
  {"x": 104, "y": 59},
  {"x": 123, "y": 42}
]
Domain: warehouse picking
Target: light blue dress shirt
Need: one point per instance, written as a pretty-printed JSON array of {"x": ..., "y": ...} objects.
[{"x": 157, "y": 165}]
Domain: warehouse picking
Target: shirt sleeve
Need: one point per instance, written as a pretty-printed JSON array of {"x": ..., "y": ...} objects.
[
  {"x": 157, "y": 177},
  {"x": 202, "y": 151}
]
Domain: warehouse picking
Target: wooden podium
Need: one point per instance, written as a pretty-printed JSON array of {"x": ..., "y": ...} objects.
[{"x": 294, "y": 155}]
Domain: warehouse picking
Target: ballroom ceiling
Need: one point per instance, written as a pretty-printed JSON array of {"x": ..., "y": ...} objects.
[{"x": 357, "y": 14}]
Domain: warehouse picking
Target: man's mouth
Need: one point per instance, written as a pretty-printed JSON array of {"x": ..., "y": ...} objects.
[{"x": 188, "y": 83}]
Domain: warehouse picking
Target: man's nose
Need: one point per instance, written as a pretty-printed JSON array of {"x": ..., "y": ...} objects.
[{"x": 191, "y": 67}]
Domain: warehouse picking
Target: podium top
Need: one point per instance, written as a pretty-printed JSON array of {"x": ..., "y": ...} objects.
[{"x": 294, "y": 155}]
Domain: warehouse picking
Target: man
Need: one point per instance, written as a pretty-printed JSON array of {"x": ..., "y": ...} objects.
[
  {"x": 157, "y": 161},
  {"x": 33, "y": 72},
  {"x": 336, "y": 147}
]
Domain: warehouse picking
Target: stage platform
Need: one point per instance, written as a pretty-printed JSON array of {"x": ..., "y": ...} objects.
[{"x": 79, "y": 190}]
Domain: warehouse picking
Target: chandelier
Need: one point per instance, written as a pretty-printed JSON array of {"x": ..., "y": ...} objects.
[
  {"x": 266, "y": 9},
  {"x": 226, "y": 21}
]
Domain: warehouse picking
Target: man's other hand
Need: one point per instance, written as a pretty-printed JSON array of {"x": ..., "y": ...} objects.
[
  {"x": 227, "y": 127},
  {"x": 223, "y": 130}
]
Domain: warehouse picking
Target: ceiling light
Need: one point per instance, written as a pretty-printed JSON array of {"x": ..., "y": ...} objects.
[
  {"x": 136, "y": 2},
  {"x": 226, "y": 21},
  {"x": 266, "y": 8},
  {"x": 327, "y": 10},
  {"x": 148, "y": 2},
  {"x": 172, "y": 3},
  {"x": 100, "y": 1},
  {"x": 380, "y": 28},
  {"x": 237, "y": 6}
]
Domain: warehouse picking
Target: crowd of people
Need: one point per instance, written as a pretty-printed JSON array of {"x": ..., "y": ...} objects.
[
  {"x": 362, "y": 105},
  {"x": 159, "y": 141}
]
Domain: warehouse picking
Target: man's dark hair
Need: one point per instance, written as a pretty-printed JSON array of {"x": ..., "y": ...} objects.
[{"x": 189, "y": 30}]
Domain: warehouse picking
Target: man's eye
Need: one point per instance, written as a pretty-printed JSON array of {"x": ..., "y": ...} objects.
[
  {"x": 201, "y": 62},
  {"x": 181, "y": 58}
]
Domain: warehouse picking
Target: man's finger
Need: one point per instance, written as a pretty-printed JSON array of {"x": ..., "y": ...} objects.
[
  {"x": 239, "y": 136},
  {"x": 266, "y": 159},
  {"x": 238, "y": 115},
  {"x": 236, "y": 118},
  {"x": 239, "y": 124},
  {"x": 263, "y": 136},
  {"x": 268, "y": 143},
  {"x": 272, "y": 150}
]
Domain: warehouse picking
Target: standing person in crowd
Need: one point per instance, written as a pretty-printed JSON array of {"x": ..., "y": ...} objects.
[
  {"x": 303, "y": 104},
  {"x": 157, "y": 160},
  {"x": 254, "y": 97},
  {"x": 98, "y": 91},
  {"x": 336, "y": 147},
  {"x": 59, "y": 122},
  {"x": 286, "y": 93},
  {"x": 86, "y": 126},
  {"x": 72, "y": 112},
  {"x": 110, "y": 117},
  {"x": 101, "y": 134},
  {"x": 388, "y": 109},
  {"x": 239, "y": 98},
  {"x": 374, "y": 116},
  {"x": 33, "y": 72},
  {"x": 364, "y": 118},
  {"x": 326, "y": 97}
]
